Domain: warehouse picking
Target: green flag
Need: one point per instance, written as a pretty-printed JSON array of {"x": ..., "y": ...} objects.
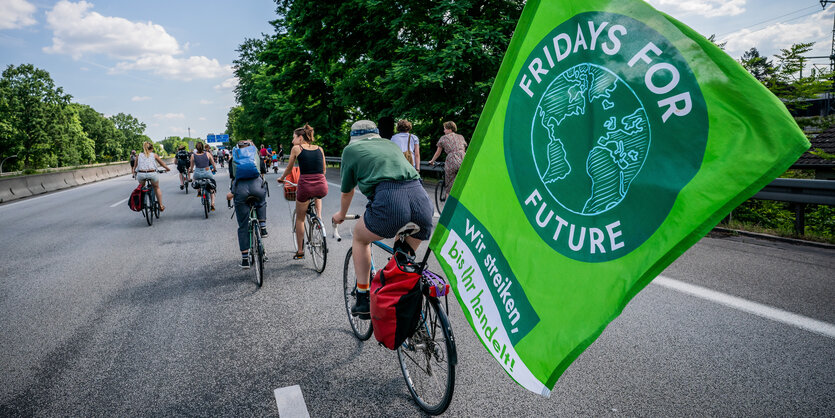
[{"x": 613, "y": 139}]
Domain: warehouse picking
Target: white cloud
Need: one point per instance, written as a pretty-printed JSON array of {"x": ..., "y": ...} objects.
[
  {"x": 169, "y": 116},
  {"x": 772, "y": 38},
  {"x": 206, "y": 102},
  {"x": 15, "y": 14},
  {"x": 706, "y": 8},
  {"x": 139, "y": 98},
  {"x": 140, "y": 46},
  {"x": 202, "y": 118},
  {"x": 77, "y": 31},
  {"x": 227, "y": 84},
  {"x": 178, "y": 68}
]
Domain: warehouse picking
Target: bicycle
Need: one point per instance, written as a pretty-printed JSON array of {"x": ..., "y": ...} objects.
[
  {"x": 440, "y": 187},
  {"x": 257, "y": 253},
  {"x": 314, "y": 236},
  {"x": 204, "y": 191},
  {"x": 428, "y": 357},
  {"x": 150, "y": 206}
]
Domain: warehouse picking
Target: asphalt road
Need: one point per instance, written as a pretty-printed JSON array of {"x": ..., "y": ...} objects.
[{"x": 105, "y": 316}]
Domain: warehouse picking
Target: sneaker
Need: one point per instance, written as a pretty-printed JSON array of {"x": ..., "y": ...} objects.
[
  {"x": 244, "y": 262},
  {"x": 264, "y": 233},
  {"x": 181, "y": 187},
  {"x": 362, "y": 308}
]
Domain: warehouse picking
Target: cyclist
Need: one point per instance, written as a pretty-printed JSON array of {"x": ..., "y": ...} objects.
[
  {"x": 455, "y": 146},
  {"x": 241, "y": 189},
  {"x": 263, "y": 153},
  {"x": 183, "y": 159},
  {"x": 275, "y": 161},
  {"x": 395, "y": 197},
  {"x": 200, "y": 163},
  {"x": 312, "y": 182},
  {"x": 146, "y": 170},
  {"x": 408, "y": 142},
  {"x": 133, "y": 162}
]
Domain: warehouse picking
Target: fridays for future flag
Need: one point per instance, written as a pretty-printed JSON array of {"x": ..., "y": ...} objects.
[{"x": 613, "y": 139}]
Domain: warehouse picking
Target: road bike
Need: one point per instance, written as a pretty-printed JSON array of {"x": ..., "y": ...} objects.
[
  {"x": 440, "y": 188},
  {"x": 314, "y": 234},
  {"x": 150, "y": 206},
  {"x": 203, "y": 187},
  {"x": 428, "y": 357}
]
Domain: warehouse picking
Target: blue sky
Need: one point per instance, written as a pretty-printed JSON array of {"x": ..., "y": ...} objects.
[{"x": 169, "y": 62}]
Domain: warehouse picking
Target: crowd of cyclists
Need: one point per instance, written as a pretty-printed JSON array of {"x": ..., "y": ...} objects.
[{"x": 386, "y": 171}]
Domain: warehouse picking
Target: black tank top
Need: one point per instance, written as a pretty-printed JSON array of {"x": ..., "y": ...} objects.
[{"x": 311, "y": 161}]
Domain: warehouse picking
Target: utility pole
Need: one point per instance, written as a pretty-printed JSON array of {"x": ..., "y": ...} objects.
[
  {"x": 831, "y": 63},
  {"x": 189, "y": 131}
]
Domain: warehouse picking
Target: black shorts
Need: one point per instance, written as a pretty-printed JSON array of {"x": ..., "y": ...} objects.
[
  {"x": 182, "y": 167},
  {"x": 396, "y": 203}
]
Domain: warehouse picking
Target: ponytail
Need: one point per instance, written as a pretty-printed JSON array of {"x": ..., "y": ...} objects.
[{"x": 306, "y": 132}]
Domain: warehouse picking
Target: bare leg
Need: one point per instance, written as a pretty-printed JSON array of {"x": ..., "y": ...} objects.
[
  {"x": 362, "y": 251},
  {"x": 301, "y": 209},
  {"x": 158, "y": 191}
]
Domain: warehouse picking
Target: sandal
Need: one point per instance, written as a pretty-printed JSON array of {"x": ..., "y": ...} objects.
[{"x": 298, "y": 256}]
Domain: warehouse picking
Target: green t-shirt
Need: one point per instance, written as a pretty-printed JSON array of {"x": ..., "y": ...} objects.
[{"x": 369, "y": 161}]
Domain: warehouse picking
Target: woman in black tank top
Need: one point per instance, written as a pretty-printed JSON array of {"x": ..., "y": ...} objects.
[{"x": 312, "y": 182}]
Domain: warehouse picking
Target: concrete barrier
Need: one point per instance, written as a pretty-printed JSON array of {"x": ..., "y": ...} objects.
[
  {"x": 35, "y": 183},
  {"x": 54, "y": 181},
  {"x": 85, "y": 175},
  {"x": 13, "y": 188}
]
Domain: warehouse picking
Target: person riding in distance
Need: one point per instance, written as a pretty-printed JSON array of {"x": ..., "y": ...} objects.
[
  {"x": 407, "y": 141},
  {"x": 146, "y": 170},
  {"x": 200, "y": 163},
  {"x": 312, "y": 182},
  {"x": 241, "y": 189},
  {"x": 455, "y": 146},
  {"x": 395, "y": 197},
  {"x": 133, "y": 162},
  {"x": 183, "y": 159},
  {"x": 263, "y": 153}
]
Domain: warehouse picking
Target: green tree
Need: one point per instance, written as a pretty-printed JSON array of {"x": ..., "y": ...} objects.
[
  {"x": 132, "y": 133},
  {"x": 790, "y": 83},
  {"x": 760, "y": 67},
  {"x": 32, "y": 109},
  {"x": 107, "y": 139}
]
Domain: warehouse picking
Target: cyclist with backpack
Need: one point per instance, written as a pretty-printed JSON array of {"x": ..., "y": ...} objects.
[
  {"x": 395, "y": 197},
  {"x": 183, "y": 159},
  {"x": 247, "y": 181}
]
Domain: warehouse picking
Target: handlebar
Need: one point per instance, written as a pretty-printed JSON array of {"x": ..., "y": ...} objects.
[{"x": 336, "y": 235}]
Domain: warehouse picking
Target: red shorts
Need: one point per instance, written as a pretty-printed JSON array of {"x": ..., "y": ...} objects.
[{"x": 310, "y": 186}]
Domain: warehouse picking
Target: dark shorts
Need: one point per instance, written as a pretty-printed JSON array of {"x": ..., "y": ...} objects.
[
  {"x": 396, "y": 203},
  {"x": 182, "y": 167},
  {"x": 310, "y": 186}
]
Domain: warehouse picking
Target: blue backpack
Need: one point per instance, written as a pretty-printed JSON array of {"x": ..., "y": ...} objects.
[{"x": 246, "y": 162}]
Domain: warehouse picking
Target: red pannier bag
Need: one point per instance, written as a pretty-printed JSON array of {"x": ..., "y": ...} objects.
[
  {"x": 293, "y": 177},
  {"x": 396, "y": 301},
  {"x": 135, "y": 200}
]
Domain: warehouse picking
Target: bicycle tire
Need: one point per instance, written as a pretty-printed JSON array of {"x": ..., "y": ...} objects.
[
  {"x": 146, "y": 208},
  {"x": 256, "y": 255},
  {"x": 423, "y": 359},
  {"x": 361, "y": 327},
  {"x": 205, "y": 204},
  {"x": 293, "y": 231},
  {"x": 156, "y": 209},
  {"x": 439, "y": 195},
  {"x": 185, "y": 183},
  {"x": 317, "y": 244}
]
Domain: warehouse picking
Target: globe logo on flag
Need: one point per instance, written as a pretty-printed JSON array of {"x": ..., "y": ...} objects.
[
  {"x": 593, "y": 134},
  {"x": 607, "y": 157}
]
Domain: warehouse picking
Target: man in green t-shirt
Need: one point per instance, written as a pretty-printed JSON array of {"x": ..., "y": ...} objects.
[{"x": 395, "y": 197}]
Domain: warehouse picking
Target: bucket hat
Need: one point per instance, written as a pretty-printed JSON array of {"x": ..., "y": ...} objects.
[{"x": 363, "y": 129}]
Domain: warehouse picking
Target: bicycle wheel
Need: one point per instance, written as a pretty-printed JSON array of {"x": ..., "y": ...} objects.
[
  {"x": 361, "y": 327},
  {"x": 427, "y": 360},
  {"x": 293, "y": 231},
  {"x": 206, "y": 204},
  {"x": 256, "y": 253},
  {"x": 316, "y": 243},
  {"x": 185, "y": 183},
  {"x": 147, "y": 208},
  {"x": 156, "y": 208},
  {"x": 440, "y": 198}
]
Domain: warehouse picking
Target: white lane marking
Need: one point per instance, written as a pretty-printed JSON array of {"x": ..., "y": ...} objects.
[
  {"x": 291, "y": 402},
  {"x": 119, "y": 202},
  {"x": 764, "y": 311}
]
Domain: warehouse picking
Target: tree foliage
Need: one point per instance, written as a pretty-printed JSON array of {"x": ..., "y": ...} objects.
[
  {"x": 425, "y": 60},
  {"x": 40, "y": 125}
]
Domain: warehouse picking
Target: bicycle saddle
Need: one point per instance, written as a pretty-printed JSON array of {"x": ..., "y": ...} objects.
[{"x": 409, "y": 229}]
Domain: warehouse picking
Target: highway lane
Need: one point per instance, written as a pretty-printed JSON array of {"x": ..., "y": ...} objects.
[{"x": 104, "y": 315}]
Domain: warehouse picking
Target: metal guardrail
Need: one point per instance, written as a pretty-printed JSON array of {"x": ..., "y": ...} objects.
[
  {"x": 423, "y": 165},
  {"x": 799, "y": 192}
]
